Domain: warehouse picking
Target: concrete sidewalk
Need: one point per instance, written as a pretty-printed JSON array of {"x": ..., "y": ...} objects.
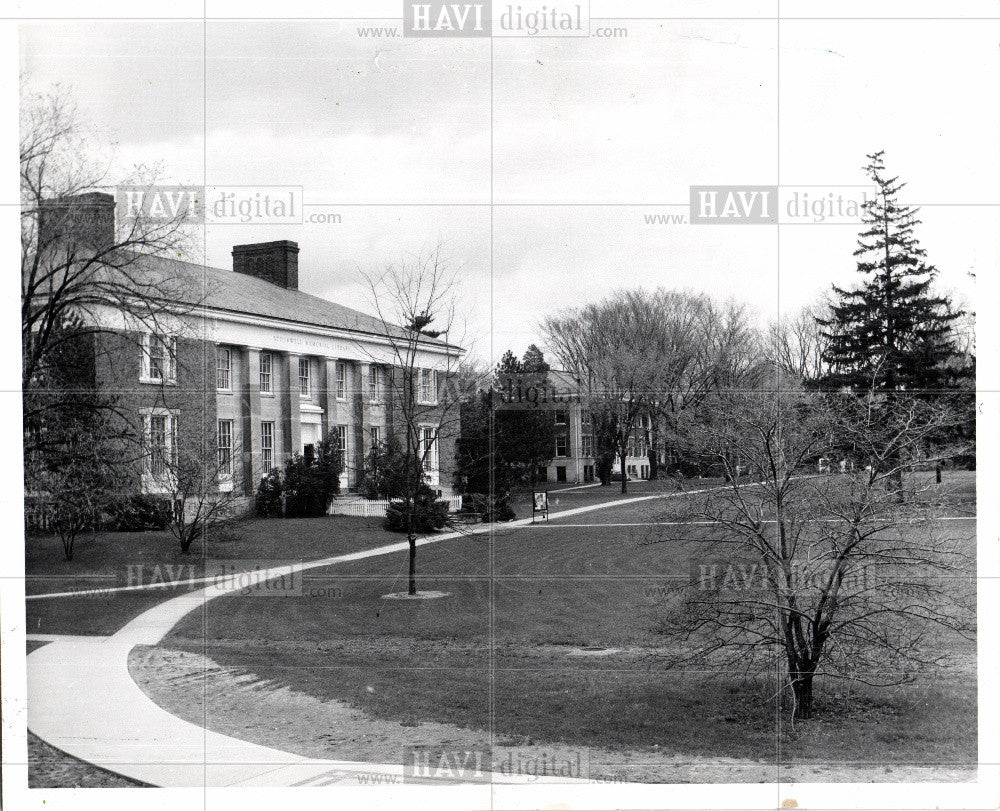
[{"x": 83, "y": 700}]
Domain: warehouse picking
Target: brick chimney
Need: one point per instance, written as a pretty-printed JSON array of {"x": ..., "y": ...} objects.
[
  {"x": 274, "y": 262},
  {"x": 81, "y": 221}
]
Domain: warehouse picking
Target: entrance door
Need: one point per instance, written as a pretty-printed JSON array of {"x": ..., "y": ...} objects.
[{"x": 310, "y": 438}]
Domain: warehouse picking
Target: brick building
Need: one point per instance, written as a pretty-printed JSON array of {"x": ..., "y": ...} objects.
[
  {"x": 573, "y": 447},
  {"x": 248, "y": 369}
]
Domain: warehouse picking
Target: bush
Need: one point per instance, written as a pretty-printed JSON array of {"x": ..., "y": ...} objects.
[
  {"x": 429, "y": 514},
  {"x": 138, "y": 513},
  {"x": 269, "y": 495},
  {"x": 306, "y": 492},
  {"x": 499, "y": 510},
  {"x": 306, "y": 486}
]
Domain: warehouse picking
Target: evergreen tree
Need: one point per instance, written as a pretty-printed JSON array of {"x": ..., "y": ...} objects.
[
  {"x": 523, "y": 438},
  {"x": 891, "y": 332}
]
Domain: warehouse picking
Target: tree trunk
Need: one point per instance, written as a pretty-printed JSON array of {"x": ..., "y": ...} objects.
[
  {"x": 624, "y": 475},
  {"x": 411, "y": 538},
  {"x": 653, "y": 453},
  {"x": 937, "y": 473},
  {"x": 412, "y": 585},
  {"x": 802, "y": 688},
  {"x": 896, "y": 482}
]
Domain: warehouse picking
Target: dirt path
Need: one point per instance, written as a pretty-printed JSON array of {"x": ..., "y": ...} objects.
[{"x": 198, "y": 690}]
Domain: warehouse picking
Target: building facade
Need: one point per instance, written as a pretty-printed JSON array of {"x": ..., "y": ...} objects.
[
  {"x": 245, "y": 370},
  {"x": 573, "y": 447}
]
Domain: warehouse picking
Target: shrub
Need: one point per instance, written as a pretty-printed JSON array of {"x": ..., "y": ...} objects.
[
  {"x": 429, "y": 514},
  {"x": 499, "y": 510},
  {"x": 307, "y": 484},
  {"x": 269, "y": 495},
  {"x": 138, "y": 513}
]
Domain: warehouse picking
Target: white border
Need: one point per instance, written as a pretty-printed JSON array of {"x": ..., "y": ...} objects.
[{"x": 983, "y": 794}]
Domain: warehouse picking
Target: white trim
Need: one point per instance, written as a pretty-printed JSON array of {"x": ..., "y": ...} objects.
[
  {"x": 150, "y": 483},
  {"x": 354, "y": 338},
  {"x": 338, "y": 367},
  {"x": 229, "y": 373},
  {"x": 374, "y": 374},
  {"x": 274, "y": 461},
  {"x": 277, "y": 335},
  {"x": 309, "y": 378},
  {"x": 421, "y": 400},
  {"x": 433, "y": 462},
  {"x": 269, "y": 391},
  {"x": 226, "y": 478},
  {"x": 167, "y": 344}
]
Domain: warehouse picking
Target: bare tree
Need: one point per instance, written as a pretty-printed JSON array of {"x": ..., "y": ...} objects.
[
  {"x": 826, "y": 575},
  {"x": 80, "y": 274},
  {"x": 203, "y": 485},
  {"x": 796, "y": 344},
  {"x": 719, "y": 349},
  {"x": 657, "y": 354},
  {"x": 416, "y": 301},
  {"x": 613, "y": 347}
]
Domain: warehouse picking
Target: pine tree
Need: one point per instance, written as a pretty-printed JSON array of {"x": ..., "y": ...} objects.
[{"x": 891, "y": 332}]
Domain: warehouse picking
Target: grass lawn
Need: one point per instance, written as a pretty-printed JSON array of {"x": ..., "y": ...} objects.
[
  {"x": 113, "y": 559},
  {"x": 523, "y": 606},
  {"x": 546, "y": 637}
]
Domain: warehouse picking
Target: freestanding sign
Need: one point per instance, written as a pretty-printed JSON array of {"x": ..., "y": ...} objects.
[{"x": 540, "y": 505}]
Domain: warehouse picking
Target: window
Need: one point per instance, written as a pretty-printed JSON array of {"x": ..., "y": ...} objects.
[
  {"x": 267, "y": 446},
  {"x": 373, "y": 384},
  {"x": 376, "y": 436},
  {"x": 304, "y": 388},
  {"x": 159, "y": 359},
  {"x": 223, "y": 369},
  {"x": 561, "y": 418},
  {"x": 562, "y": 446},
  {"x": 428, "y": 386},
  {"x": 342, "y": 441},
  {"x": 587, "y": 445},
  {"x": 561, "y": 473},
  {"x": 266, "y": 366},
  {"x": 341, "y": 381},
  {"x": 161, "y": 444},
  {"x": 428, "y": 447},
  {"x": 225, "y": 448}
]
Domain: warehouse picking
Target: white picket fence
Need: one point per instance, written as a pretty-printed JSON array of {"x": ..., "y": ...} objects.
[{"x": 363, "y": 508}]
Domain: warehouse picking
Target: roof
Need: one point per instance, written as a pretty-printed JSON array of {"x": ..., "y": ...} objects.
[
  {"x": 564, "y": 378},
  {"x": 226, "y": 291}
]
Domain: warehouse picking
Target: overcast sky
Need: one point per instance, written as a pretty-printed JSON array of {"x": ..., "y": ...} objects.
[{"x": 587, "y": 137}]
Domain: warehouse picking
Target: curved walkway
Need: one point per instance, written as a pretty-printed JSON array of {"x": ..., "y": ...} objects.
[{"x": 83, "y": 700}]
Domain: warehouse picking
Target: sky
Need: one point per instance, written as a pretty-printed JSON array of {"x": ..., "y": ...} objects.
[{"x": 539, "y": 175}]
